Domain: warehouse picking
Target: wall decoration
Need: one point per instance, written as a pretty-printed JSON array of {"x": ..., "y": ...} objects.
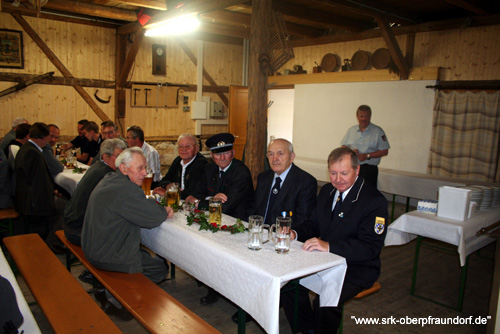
[{"x": 11, "y": 49}]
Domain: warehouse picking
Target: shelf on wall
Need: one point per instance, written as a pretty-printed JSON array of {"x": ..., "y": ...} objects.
[{"x": 426, "y": 73}]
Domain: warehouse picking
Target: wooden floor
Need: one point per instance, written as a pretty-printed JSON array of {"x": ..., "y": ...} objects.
[{"x": 438, "y": 278}]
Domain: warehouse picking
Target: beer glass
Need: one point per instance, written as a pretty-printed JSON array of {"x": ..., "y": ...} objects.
[
  {"x": 146, "y": 184},
  {"x": 256, "y": 232},
  {"x": 173, "y": 195},
  {"x": 280, "y": 234},
  {"x": 215, "y": 211}
]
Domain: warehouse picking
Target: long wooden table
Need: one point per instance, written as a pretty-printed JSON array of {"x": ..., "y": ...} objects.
[{"x": 251, "y": 279}]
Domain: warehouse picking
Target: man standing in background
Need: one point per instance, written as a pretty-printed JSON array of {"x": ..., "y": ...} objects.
[{"x": 369, "y": 142}]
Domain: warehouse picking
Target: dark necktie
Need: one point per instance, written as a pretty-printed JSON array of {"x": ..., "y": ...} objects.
[
  {"x": 221, "y": 174},
  {"x": 338, "y": 204},
  {"x": 272, "y": 198}
]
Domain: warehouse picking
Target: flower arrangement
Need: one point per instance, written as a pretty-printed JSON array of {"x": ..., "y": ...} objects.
[{"x": 201, "y": 218}]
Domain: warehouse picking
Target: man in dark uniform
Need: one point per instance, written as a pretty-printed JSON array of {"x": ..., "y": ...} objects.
[
  {"x": 186, "y": 169},
  {"x": 349, "y": 221},
  {"x": 227, "y": 179}
]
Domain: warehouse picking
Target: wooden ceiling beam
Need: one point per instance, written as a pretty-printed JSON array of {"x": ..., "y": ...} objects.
[
  {"x": 372, "y": 8},
  {"x": 8, "y": 8},
  {"x": 194, "y": 7},
  {"x": 62, "y": 81},
  {"x": 468, "y": 6},
  {"x": 59, "y": 65},
  {"x": 224, "y": 29},
  {"x": 153, "y": 4},
  {"x": 327, "y": 19},
  {"x": 477, "y": 21},
  {"x": 235, "y": 18},
  {"x": 393, "y": 46},
  {"x": 92, "y": 10}
]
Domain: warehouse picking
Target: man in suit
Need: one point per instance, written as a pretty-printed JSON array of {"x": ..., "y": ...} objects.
[
  {"x": 186, "y": 169},
  {"x": 349, "y": 220},
  {"x": 297, "y": 189},
  {"x": 227, "y": 179},
  {"x": 34, "y": 185},
  {"x": 283, "y": 188}
]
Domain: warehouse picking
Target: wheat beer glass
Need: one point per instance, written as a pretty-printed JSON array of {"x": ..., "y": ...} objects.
[
  {"x": 280, "y": 233},
  {"x": 255, "y": 232},
  {"x": 215, "y": 211},
  {"x": 146, "y": 184},
  {"x": 173, "y": 195}
]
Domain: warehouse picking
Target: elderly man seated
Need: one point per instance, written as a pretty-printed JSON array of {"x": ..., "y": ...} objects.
[
  {"x": 186, "y": 169},
  {"x": 74, "y": 212},
  {"x": 116, "y": 212}
]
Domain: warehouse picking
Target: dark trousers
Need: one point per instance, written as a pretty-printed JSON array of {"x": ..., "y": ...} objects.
[
  {"x": 370, "y": 173},
  {"x": 324, "y": 320}
]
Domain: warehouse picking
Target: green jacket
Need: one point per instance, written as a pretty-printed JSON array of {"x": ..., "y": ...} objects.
[{"x": 116, "y": 212}]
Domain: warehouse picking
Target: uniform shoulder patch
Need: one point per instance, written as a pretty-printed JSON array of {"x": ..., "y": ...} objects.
[{"x": 379, "y": 225}]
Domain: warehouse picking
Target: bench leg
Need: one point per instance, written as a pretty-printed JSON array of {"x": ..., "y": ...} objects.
[{"x": 172, "y": 270}]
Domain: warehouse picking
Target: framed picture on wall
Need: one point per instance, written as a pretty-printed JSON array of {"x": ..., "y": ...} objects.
[{"x": 11, "y": 49}]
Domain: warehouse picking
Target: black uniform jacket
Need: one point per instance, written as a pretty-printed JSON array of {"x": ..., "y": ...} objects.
[{"x": 356, "y": 233}]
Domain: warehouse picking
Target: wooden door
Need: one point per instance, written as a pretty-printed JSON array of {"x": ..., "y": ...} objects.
[{"x": 238, "y": 110}]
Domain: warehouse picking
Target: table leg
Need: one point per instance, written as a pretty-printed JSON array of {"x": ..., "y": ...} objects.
[
  {"x": 463, "y": 278},
  {"x": 407, "y": 204},
  {"x": 242, "y": 315},
  {"x": 393, "y": 205},
  {"x": 415, "y": 266}
]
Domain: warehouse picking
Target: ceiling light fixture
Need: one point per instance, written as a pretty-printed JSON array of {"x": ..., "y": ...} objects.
[{"x": 175, "y": 26}]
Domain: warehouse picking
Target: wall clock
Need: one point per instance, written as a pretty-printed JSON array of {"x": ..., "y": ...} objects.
[{"x": 159, "y": 59}]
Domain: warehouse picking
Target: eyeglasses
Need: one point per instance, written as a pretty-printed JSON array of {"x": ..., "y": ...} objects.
[
  {"x": 187, "y": 147},
  {"x": 108, "y": 133}
]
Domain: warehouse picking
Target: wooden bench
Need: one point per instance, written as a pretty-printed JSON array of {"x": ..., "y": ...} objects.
[
  {"x": 154, "y": 308},
  {"x": 67, "y": 306},
  {"x": 6, "y": 219}
]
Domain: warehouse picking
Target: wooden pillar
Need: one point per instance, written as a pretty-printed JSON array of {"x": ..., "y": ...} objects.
[
  {"x": 257, "y": 87},
  {"x": 120, "y": 92}
]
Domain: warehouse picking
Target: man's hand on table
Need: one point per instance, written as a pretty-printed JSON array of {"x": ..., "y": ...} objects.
[
  {"x": 170, "y": 212},
  {"x": 159, "y": 190},
  {"x": 221, "y": 196},
  {"x": 316, "y": 244}
]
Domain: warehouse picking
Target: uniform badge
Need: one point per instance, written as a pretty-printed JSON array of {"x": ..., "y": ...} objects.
[
  {"x": 379, "y": 225},
  {"x": 384, "y": 138}
]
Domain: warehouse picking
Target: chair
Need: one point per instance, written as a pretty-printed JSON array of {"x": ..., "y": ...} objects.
[
  {"x": 365, "y": 293},
  {"x": 6, "y": 220}
]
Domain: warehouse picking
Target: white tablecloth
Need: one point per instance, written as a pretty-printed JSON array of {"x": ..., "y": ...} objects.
[
  {"x": 458, "y": 233},
  {"x": 29, "y": 325},
  {"x": 251, "y": 279},
  {"x": 69, "y": 180},
  {"x": 418, "y": 185}
]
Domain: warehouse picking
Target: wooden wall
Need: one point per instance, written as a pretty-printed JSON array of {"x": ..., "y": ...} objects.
[
  {"x": 89, "y": 52},
  {"x": 465, "y": 54}
]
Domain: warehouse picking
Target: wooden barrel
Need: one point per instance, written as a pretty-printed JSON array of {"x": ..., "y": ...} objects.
[
  {"x": 330, "y": 62},
  {"x": 361, "y": 60},
  {"x": 381, "y": 58}
]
